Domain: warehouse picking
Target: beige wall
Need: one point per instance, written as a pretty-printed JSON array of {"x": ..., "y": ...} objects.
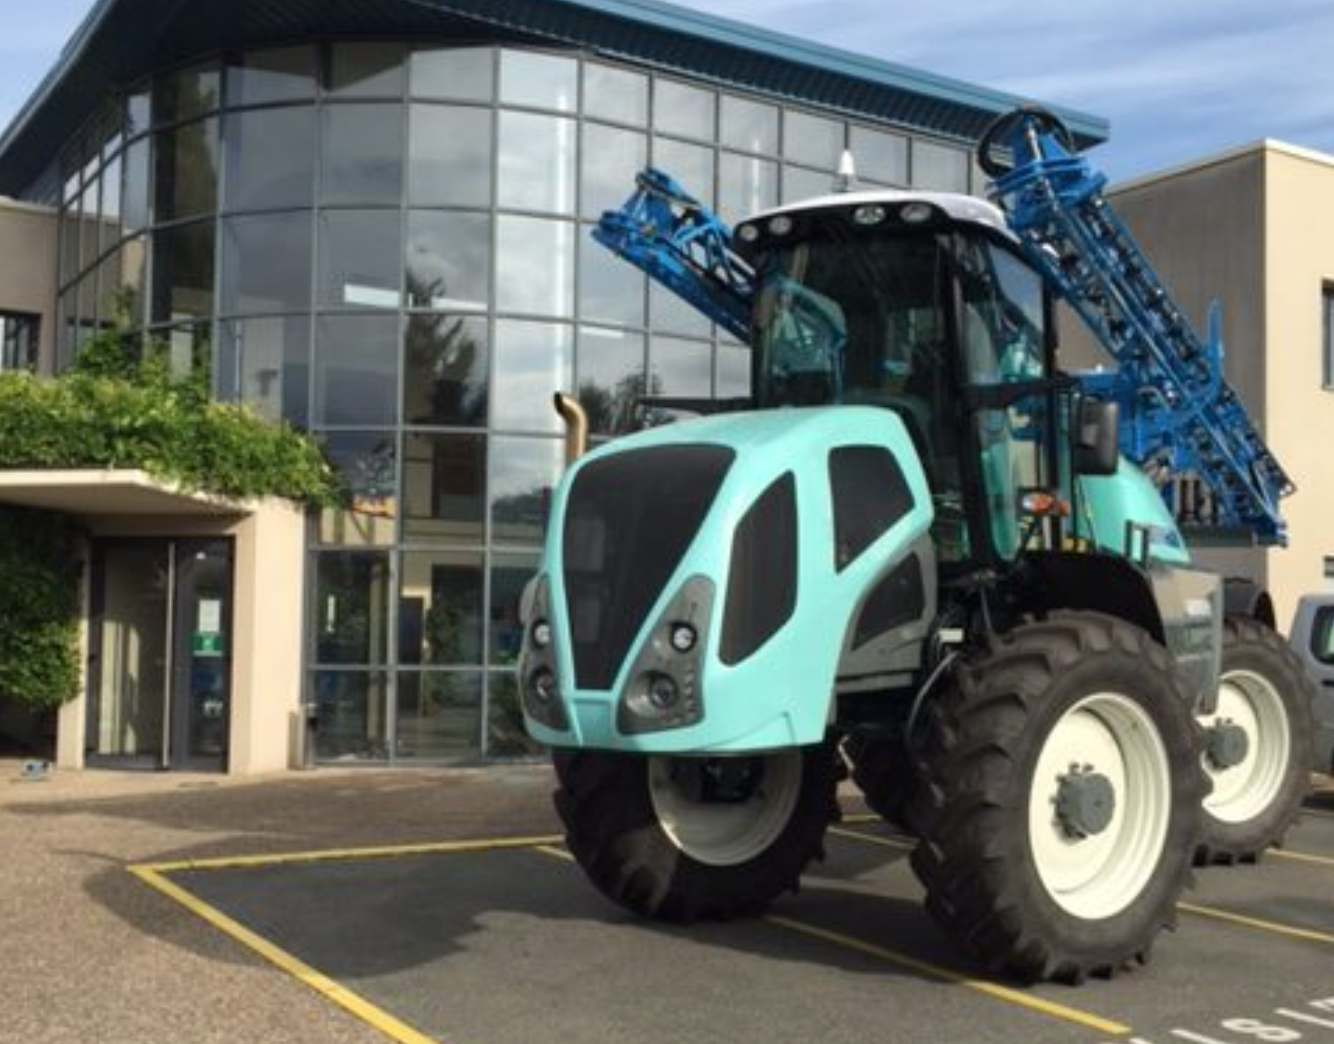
[{"x": 28, "y": 237}]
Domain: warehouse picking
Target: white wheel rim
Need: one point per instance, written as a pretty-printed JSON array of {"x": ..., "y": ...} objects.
[
  {"x": 1245, "y": 790},
  {"x": 1099, "y": 876},
  {"x": 727, "y": 833}
]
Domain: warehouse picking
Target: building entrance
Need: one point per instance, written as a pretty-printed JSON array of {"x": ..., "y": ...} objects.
[{"x": 160, "y": 656}]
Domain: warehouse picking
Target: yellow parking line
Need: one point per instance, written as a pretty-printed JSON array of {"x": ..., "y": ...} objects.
[
  {"x": 353, "y": 1003},
  {"x": 862, "y": 817},
  {"x": 337, "y": 854},
  {"x": 899, "y": 844},
  {"x": 551, "y": 850},
  {"x": 1291, "y": 931},
  {"x": 994, "y": 990},
  {"x": 1300, "y": 857}
]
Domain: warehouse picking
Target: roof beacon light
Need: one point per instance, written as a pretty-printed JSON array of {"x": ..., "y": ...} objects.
[
  {"x": 868, "y": 215},
  {"x": 781, "y": 225},
  {"x": 846, "y": 178},
  {"x": 917, "y": 213}
]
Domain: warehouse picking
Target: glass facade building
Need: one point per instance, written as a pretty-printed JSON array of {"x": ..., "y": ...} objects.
[{"x": 386, "y": 242}]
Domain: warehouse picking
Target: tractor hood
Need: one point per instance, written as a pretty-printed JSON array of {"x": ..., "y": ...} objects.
[{"x": 702, "y": 581}]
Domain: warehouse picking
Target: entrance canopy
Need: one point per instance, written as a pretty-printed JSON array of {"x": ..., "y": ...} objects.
[{"x": 103, "y": 493}]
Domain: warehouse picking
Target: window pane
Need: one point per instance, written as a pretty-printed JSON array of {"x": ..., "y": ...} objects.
[
  {"x": 186, "y": 183},
  {"x": 615, "y": 94},
  {"x": 439, "y": 715},
  {"x": 533, "y": 362},
  {"x": 453, "y": 72},
  {"x": 366, "y": 70},
  {"x": 185, "y": 94},
  {"x": 749, "y": 125},
  {"x": 745, "y": 186},
  {"x": 880, "y": 156},
  {"x": 270, "y": 159},
  {"x": 351, "y": 607},
  {"x": 276, "y": 75},
  {"x": 812, "y": 139},
  {"x": 445, "y": 371},
  {"x": 367, "y": 462},
  {"x": 361, "y": 259},
  {"x": 449, "y": 261},
  {"x": 671, "y": 314},
  {"x": 135, "y": 203},
  {"x": 681, "y": 368},
  {"x": 183, "y": 272},
  {"x": 732, "y": 373},
  {"x": 356, "y": 370},
  {"x": 543, "y": 81},
  {"x": 523, "y": 473},
  {"x": 939, "y": 167},
  {"x": 690, "y": 165},
  {"x": 444, "y": 488},
  {"x": 506, "y": 736},
  {"x": 111, "y": 198},
  {"x": 535, "y": 267},
  {"x": 265, "y": 363},
  {"x": 351, "y": 707},
  {"x": 449, "y": 157},
  {"x": 799, "y": 184},
  {"x": 509, "y": 575},
  {"x": 537, "y": 162},
  {"x": 610, "y": 378},
  {"x": 138, "y": 112},
  {"x": 70, "y": 227},
  {"x": 611, "y": 290},
  {"x": 266, "y": 263},
  {"x": 440, "y": 608},
  {"x": 89, "y": 208},
  {"x": 363, "y": 154},
  {"x": 684, "y": 110},
  {"x": 611, "y": 159},
  {"x": 133, "y": 269}
]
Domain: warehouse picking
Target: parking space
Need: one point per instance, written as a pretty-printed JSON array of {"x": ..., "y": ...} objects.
[{"x": 501, "y": 942}]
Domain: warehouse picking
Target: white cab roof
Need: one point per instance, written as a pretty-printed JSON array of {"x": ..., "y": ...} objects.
[{"x": 959, "y": 207}]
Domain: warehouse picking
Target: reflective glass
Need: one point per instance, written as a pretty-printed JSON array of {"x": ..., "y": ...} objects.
[
  {"x": 535, "y": 266},
  {"x": 440, "y": 608},
  {"x": 748, "y": 125},
  {"x": 108, "y": 287},
  {"x": 746, "y": 186},
  {"x": 681, "y": 109},
  {"x": 71, "y": 226},
  {"x": 611, "y": 159},
  {"x": 812, "y": 139},
  {"x": 444, "y": 488},
  {"x": 445, "y": 363},
  {"x": 448, "y": 261},
  {"x": 615, "y": 94},
  {"x": 439, "y": 715},
  {"x": 610, "y": 290},
  {"x": 671, "y": 314},
  {"x": 506, "y": 736},
  {"x": 363, "y": 154},
  {"x": 510, "y": 573},
  {"x": 799, "y": 184},
  {"x": 366, "y": 70},
  {"x": 350, "y": 707},
  {"x": 136, "y": 200},
  {"x": 732, "y": 373},
  {"x": 880, "y": 156},
  {"x": 939, "y": 167},
  {"x": 367, "y": 462},
  {"x": 523, "y": 473},
  {"x": 266, "y": 263},
  {"x": 89, "y": 207},
  {"x": 361, "y": 258},
  {"x": 690, "y": 165},
  {"x": 270, "y": 159},
  {"x": 610, "y": 378},
  {"x": 133, "y": 270},
  {"x": 111, "y": 201},
  {"x": 189, "y": 348},
  {"x": 138, "y": 112},
  {"x": 534, "y": 361},
  {"x": 186, "y": 181},
  {"x": 186, "y": 94},
  {"x": 449, "y": 156},
  {"x": 356, "y": 370},
  {"x": 183, "y": 272},
  {"x": 536, "y": 162},
  {"x": 543, "y": 81},
  {"x": 265, "y": 363},
  {"x": 351, "y": 607},
  {"x": 453, "y": 72},
  {"x": 278, "y": 74},
  {"x": 681, "y": 368}
]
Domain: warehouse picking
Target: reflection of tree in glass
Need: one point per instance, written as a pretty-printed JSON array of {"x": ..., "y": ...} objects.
[
  {"x": 613, "y": 411},
  {"x": 445, "y": 363},
  {"x": 506, "y": 736},
  {"x": 370, "y": 475}
]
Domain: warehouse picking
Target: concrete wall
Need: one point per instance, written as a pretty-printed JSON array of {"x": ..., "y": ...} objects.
[{"x": 28, "y": 244}]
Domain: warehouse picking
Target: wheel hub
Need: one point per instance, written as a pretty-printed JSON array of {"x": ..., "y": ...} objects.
[
  {"x": 1085, "y": 803},
  {"x": 1226, "y": 745}
]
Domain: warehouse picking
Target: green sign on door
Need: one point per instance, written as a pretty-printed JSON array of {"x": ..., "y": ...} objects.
[{"x": 206, "y": 644}]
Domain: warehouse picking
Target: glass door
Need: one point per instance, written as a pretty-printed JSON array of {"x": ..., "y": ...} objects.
[{"x": 202, "y": 656}]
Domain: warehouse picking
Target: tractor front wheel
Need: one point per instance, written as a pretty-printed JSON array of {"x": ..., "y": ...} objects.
[{"x": 684, "y": 838}]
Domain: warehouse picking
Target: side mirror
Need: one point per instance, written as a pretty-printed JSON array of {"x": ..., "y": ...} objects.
[{"x": 1096, "y": 448}]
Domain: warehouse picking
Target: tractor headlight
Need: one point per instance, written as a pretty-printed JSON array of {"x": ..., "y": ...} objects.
[{"x": 663, "y": 687}]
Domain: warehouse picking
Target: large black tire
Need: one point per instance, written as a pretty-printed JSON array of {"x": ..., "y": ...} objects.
[
  {"x": 983, "y": 738},
  {"x": 613, "y": 829},
  {"x": 1241, "y": 821},
  {"x": 882, "y": 771}
]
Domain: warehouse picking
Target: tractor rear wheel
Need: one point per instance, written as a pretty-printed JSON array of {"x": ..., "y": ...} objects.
[
  {"x": 1257, "y": 745},
  {"x": 1060, "y": 799},
  {"x": 883, "y": 773},
  {"x": 683, "y": 839}
]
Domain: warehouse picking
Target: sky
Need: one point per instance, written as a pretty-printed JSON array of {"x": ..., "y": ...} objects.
[{"x": 1179, "y": 79}]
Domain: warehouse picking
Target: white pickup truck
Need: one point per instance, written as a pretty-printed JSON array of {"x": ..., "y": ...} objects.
[{"x": 1312, "y": 638}]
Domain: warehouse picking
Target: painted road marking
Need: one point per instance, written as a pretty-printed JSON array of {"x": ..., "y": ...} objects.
[
  {"x": 1277, "y": 928},
  {"x": 353, "y": 1003},
  {"x": 900, "y": 844},
  {"x": 1300, "y": 857}
]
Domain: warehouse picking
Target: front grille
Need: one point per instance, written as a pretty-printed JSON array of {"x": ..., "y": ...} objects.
[{"x": 629, "y": 519}]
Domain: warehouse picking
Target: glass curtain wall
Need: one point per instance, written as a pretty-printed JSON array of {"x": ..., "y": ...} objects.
[{"x": 387, "y": 245}]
